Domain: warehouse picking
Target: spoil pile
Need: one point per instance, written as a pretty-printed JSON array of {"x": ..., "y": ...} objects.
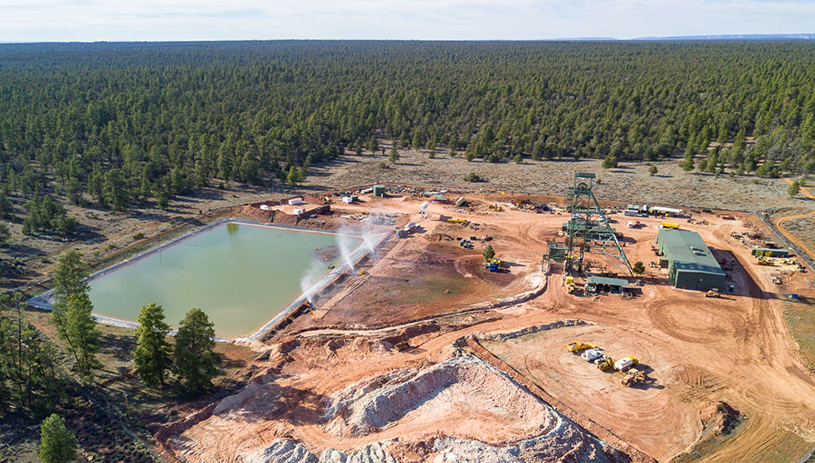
[
  {"x": 369, "y": 407},
  {"x": 289, "y": 451}
]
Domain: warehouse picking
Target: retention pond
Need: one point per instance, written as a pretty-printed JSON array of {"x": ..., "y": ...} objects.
[{"x": 241, "y": 275}]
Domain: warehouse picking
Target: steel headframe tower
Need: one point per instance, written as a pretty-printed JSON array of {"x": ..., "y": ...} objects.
[{"x": 588, "y": 229}]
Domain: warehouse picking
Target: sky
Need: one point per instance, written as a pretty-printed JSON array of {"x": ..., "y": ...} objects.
[{"x": 175, "y": 20}]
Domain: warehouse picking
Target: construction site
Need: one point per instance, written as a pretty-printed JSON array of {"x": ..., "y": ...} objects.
[{"x": 593, "y": 332}]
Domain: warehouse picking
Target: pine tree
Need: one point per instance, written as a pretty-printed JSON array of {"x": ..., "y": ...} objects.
[
  {"x": 6, "y": 209},
  {"x": 5, "y": 234},
  {"x": 195, "y": 359},
  {"x": 638, "y": 268},
  {"x": 373, "y": 145},
  {"x": 794, "y": 188},
  {"x": 72, "y": 312},
  {"x": 293, "y": 176},
  {"x": 115, "y": 189},
  {"x": 152, "y": 349},
  {"x": 488, "y": 253},
  {"x": 57, "y": 443},
  {"x": 70, "y": 274},
  {"x": 78, "y": 328}
]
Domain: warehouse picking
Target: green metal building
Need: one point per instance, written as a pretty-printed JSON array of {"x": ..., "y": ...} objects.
[
  {"x": 614, "y": 285},
  {"x": 690, "y": 263}
]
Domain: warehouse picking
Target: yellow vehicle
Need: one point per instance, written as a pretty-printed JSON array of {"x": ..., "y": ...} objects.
[
  {"x": 570, "y": 287},
  {"x": 763, "y": 261},
  {"x": 456, "y": 220},
  {"x": 605, "y": 363},
  {"x": 634, "y": 378},
  {"x": 714, "y": 292},
  {"x": 577, "y": 346},
  {"x": 670, "y": 225}
]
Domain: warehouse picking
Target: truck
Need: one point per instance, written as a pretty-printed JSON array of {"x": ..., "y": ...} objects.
[
  {"x": 625, "y": 363},
  {"x": 577, "y": 346},
  {"x": 592, "y": 354}
]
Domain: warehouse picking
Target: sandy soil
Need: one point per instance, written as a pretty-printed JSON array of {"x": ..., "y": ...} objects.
[
  {"x": 630, "y": 182},
  {"x": 700, "y": 352}
]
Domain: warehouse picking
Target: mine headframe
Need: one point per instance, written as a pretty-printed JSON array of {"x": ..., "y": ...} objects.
[{"x": 588, "y": 230}]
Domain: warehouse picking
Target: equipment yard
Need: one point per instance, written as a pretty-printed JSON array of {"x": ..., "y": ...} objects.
[{"x": 423, "y": 353}]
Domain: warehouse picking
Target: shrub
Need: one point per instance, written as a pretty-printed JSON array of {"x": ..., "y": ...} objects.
[{"x": 473, "y": 177}]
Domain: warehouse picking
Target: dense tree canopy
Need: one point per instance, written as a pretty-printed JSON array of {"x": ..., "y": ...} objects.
[{"x": 117, "y": 123}]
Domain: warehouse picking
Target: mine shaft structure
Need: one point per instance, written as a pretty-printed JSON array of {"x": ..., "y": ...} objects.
[{"x": 588, "y": 230}]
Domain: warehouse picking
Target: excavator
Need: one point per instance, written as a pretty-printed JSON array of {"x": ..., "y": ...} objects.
[{"x": 577, "y": 346}]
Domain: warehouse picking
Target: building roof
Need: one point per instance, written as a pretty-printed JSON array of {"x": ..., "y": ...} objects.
[
  {"x": 688, "y": 251},
  {"x": 769, "y": 249},
  {"x": 607, "y": 281}
]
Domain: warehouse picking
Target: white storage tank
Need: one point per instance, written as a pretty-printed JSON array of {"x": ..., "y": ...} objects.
[{"x": 625, "y": 363}]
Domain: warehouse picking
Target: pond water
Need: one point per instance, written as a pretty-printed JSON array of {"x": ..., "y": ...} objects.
[{"x": 240, "y": 275}]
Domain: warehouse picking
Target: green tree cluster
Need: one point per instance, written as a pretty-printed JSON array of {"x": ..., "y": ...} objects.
[
  {"x": 193, "y": 360},
  {"x": 118, "y": 123},
  {"x": 47, "y": 214},
  {"x": 28, "y": 377}
]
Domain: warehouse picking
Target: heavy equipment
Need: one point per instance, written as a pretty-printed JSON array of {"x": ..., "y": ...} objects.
[
  {"x": 592, "y": 354},
  {"x": 494, "y": 265},
  {"x": 625, "y": 363},
  {"x": 577, "y": 346},
  {"x": 605, "y": 362},
  {"x": 633, "y": 378},
  {"x": 763, "y": 261},
  {"x": 713, "y": 292}
]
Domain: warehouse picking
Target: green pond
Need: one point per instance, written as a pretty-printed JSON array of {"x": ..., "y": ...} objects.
[{"x": 240, "y": 275}]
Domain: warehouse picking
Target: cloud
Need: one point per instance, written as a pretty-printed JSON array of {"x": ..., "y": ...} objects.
[{"x": 90, "y": 20}]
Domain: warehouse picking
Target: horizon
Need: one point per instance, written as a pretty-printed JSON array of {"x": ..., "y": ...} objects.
[
  {"x": 687, "y": 38},
  {"x": 88, "y": 21}
]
